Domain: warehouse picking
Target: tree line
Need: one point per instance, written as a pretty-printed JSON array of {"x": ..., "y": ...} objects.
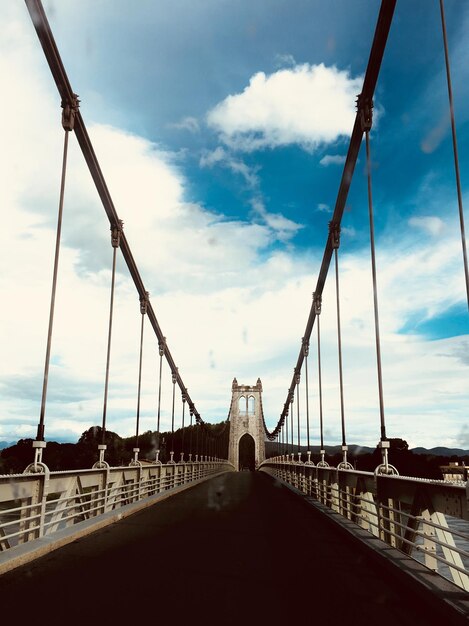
[{"x": 207, "y": 440}]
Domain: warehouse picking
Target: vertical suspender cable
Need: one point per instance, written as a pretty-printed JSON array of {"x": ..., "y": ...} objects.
[
  {"x": 335, "y": 240},
  {"x": 317, "y": 300},
  {"x": 375, "y": 291},
  {"x": 287, "y": 441},
  {"x": 161, "y": 347},
  {"x": 455, "y": 150},
  {"x": 115, "y": 240},
  {"x": 306, "y": 352},
  {"x": 183, "y": 410},
  {"x": 172, "y": 416},
  {"x": 291, "y": 422},
  {"x": 191, "y": 413},
  {"x": 321, "y": 426},
  {"x": 41, "y": 426},
  {"x": 143, "y": 310},
  {"x": 365, "y": 108},
  {"x": 298, "y": 414}
]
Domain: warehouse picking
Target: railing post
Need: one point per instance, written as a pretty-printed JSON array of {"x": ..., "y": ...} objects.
[{"x": 429, "y": 541}]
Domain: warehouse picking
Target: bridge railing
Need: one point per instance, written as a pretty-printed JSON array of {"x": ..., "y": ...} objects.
[
  {"x": 425, "y": 519},
  {"x": 38, "y": 505}
]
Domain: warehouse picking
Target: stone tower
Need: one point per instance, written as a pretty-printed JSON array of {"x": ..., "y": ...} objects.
[{"x": 247, "y": 436}]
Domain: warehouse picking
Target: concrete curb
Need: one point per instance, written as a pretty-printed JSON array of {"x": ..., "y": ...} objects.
[{"x": 27, "y": 552}]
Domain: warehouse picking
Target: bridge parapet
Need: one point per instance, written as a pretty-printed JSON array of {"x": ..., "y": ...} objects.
[
  {"x": 34, "y": 506},
  {"x": 426, "y": 519}
]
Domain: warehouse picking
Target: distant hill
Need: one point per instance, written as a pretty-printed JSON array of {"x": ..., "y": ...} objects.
[
  {"x": 441, "y": 451},
  {"x": 355, "y": 450},
  {"x": 6, "y": 444}
]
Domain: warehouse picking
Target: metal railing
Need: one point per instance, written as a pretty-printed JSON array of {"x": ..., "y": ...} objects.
[
  {"x": 38, "y": 505},
  {"x": 426, "y": 519}
]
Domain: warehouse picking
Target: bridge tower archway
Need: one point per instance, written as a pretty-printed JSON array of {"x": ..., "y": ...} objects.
[
  {"x": 246, "y": 419},
  {"x": 247, "y": 453}
]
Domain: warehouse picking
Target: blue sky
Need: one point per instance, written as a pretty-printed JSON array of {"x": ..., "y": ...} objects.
[{"x": 221, "y": 129}]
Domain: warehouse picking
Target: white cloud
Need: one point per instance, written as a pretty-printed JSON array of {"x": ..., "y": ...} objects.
[
  {"x": 285, "y": 60},
  {"x": 324, "y": 208},
  {"x": 210, "y": 158},
  {"x": 332, "y": 159},
  {"x": 349, "y": 231},
  {"x": 429, "y": 223},
  {"x": 284, "y": 228},
  {"x": 219, "y": 156},
  {"x": 308, "y": 105},
  {"x": 187, "y": 123}
]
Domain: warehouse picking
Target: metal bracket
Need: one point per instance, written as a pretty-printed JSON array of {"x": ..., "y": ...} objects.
[
  {"x": 334, "y": 233},
  {"x": 116, "y": 232},
  {"x": 144, "y": 303},
  {"x": 162, "y": 346},
  {"x": 69, "y": 112},
  {"x": 174, "y": 377},
  {"x": 38, "y": 467},
  {"x": 365, "y": 110},
  {"x": 317, "y": 303},
  {"x": 305, "y": 344}
]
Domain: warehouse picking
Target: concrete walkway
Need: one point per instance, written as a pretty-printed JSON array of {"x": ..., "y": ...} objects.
[{"x": 238, "y": 549}]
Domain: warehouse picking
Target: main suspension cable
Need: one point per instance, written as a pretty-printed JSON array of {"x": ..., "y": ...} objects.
[{"x": 455, "y": 150}]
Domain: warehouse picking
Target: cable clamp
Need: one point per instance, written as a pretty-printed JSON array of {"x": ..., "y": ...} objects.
[
  {"x": 69, "y": 112},
  {"x": 365, "y": 110},
  {"x": 297, "y": 378},
  {"x": 162, "y": 346},
  {"x": 144, "y": 303},
  {"x": 317, "y": 303},
  {"x": 305, "y": 344},
  {"x": 334, "y": 233},
  {"x": 174, "y": 376},
  {"x": 116, "y": 232}
]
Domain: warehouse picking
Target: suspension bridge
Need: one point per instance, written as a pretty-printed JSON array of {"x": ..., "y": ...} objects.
[{"x": 188, "y": 534}]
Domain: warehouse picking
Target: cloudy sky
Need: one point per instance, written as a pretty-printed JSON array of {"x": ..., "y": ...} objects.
[{"x": 221, "y": 128}]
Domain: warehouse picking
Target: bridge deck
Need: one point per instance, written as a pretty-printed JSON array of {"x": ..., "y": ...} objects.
[{"x": 236, "y": 548}]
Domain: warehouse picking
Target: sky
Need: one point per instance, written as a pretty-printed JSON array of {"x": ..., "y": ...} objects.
[{"x": 221, "y": 129}]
